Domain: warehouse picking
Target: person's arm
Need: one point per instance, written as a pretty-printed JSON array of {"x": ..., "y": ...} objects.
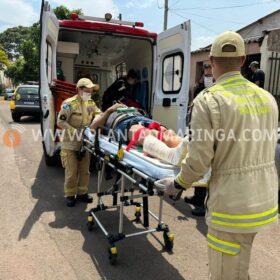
[
  {"x": 101, "y": 119},
  {"x": 259, "y": 76},
  {"x": 205, "y": 122}
]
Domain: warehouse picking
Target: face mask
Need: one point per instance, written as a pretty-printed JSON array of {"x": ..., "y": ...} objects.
[
  {"x": 85, "y": 96},
  {"x": 208, "y": 81}
]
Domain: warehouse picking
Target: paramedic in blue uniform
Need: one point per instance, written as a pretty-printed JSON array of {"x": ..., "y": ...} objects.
[{"x": 76, "y": 113}]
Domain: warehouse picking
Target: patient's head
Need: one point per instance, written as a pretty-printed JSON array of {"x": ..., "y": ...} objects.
[{"x": 132, "y": 77}]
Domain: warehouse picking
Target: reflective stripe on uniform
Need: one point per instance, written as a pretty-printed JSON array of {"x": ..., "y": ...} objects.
[
  {"x": 179, "y": 179},
  {"x": 232, "y": 82},
  {"x": 254, "y": 105},
  {"x": 223, "y": 246},
  {"x": 251, "y": 220}
]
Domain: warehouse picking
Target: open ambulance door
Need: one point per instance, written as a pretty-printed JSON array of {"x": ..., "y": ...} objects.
[
  {"x": 49, "y": 34},
  {"x": 172, "y": 80}
]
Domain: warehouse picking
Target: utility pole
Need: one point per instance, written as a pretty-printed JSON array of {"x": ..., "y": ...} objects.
[{"x": 165, "y": 14}]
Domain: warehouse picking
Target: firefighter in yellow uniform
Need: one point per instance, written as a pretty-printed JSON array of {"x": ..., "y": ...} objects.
[
  {"x": 234, "y": 124},
  {"x": 76, "y": 113}
]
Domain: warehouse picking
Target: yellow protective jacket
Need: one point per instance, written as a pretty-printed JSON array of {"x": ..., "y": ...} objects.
[
  {"x": 233, "y": 130},
  {"x": 74, "y": 115}
]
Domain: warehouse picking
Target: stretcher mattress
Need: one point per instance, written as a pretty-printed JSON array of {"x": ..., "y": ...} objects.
[{"x": 152, "y": 167}]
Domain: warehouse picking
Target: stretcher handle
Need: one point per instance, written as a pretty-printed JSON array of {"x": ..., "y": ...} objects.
[{"x": 173, "y": 197}]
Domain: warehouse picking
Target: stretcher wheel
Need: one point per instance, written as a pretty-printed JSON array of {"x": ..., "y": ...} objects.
[
  {"x": 113, "y": 253},
  {"x": 90, "y": 223},
  {"x": 168, "y": 241}
]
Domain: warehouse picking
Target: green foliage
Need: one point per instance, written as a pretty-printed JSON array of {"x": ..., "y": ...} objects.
[
  {"x": 30, "y": 54},
  {"x": 15, "y": 71},
  {"x": 12, "y": 38},
  {"x": 63, "y": 12},
  {"x": 3, "y": 59},
  {"x": 21, "y": 45},
  {"x": 78, "y": 11},
  {"x": 26, "y": 62}
]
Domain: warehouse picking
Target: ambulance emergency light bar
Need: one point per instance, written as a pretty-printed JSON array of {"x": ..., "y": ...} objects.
[{"x": 107, "y": 18}]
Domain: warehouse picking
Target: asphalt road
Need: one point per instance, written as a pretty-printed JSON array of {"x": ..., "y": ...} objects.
[{"x": 40, "y": 238}]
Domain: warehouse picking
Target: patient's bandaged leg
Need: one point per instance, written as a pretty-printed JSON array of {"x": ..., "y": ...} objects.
[{"x": 158, "y": 149}]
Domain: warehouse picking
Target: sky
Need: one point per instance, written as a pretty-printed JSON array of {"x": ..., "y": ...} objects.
[{"x": 208, "y": 17}]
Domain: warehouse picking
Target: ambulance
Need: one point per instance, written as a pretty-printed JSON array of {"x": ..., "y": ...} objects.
[{"x": 104, "y": 49}]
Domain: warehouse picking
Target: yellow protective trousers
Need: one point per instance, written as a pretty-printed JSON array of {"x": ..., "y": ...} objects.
[
  {"x": 229, "y": 254},
  {"x": 76, "y": 173}
]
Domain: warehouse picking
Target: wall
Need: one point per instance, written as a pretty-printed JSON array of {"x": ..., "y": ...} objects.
[
  {"x": 140, "y": 56},
  {"x": 271, "y": 44},
  {"x": 196, "y": 72},
  {"x": 4, "y": 81},
  {"x": 256, "y": 29},
  {"x": 67, "y": 67},
  {"x": 252, "y": 48}
]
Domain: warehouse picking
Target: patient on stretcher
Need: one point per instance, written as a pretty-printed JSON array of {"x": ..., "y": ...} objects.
[{"x": 132, "y": 128}]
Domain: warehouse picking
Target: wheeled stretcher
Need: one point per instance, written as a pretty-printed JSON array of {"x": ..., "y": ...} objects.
[{"x": 135, "y": 183}]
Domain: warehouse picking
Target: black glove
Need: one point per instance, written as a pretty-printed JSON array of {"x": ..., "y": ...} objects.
[
  {"x": 179, "y": 193},
  {"x": 80, "y": 154}
]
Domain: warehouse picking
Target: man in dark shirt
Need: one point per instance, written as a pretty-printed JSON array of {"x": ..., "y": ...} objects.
[
  {"x": 121, "y": 90},
  {"x": 200, "y": 193},
  {"x": 258, "y": 74}
]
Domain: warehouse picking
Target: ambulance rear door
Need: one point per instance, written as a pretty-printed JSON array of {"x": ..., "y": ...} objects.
[
  {"x": 171, "y": 93},
  {"x": 49, "y": 35}
]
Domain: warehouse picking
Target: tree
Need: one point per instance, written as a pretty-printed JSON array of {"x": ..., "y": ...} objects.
[
  {"x": 22, "y": 44},
  {"x": 3, "y": 59},
  {"x": 12, "y": 39},
  {"x": 15, "y": 71},
  {"x": 26, "y": 66},
  {"x": 31, "y": 61},
  {"x": 63, "y": 12}
]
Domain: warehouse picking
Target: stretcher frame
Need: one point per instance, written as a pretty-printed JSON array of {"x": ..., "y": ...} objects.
[{"x": 143, "y": 183}]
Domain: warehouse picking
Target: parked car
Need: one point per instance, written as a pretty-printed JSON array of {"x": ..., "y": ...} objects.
[
  {"x": 8, "y": 93},
  {"x": 25, "y": 102}
]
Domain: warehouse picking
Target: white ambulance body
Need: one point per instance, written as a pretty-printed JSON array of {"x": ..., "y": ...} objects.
[{"x": 105, "y": 49}]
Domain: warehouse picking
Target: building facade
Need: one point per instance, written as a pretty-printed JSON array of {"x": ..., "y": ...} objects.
[{"x": 262, "y": 39}]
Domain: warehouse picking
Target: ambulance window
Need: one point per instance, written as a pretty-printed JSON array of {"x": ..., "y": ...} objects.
[
  {"x": 121, "y": 70},
  {"x": 172, "y": 73},
  {"x": 49, "y": 55}
]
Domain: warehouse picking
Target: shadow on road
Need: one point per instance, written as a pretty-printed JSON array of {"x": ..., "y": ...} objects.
[
  {"x": 186, "y": 215},
  {"x": 28, "y": 120},
  {"x": 48, "y": 191},
  {"x": 137, "y": 257}
]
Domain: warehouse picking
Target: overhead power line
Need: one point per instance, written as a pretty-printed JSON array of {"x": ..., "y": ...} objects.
[
  {"x": 207, "y": 17},
  {"x": 228, "y": 7},
  {"x": 199, "y": 24},
  {"x": 158, "y": 5},
  {"x": 174, "y": 4}
]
